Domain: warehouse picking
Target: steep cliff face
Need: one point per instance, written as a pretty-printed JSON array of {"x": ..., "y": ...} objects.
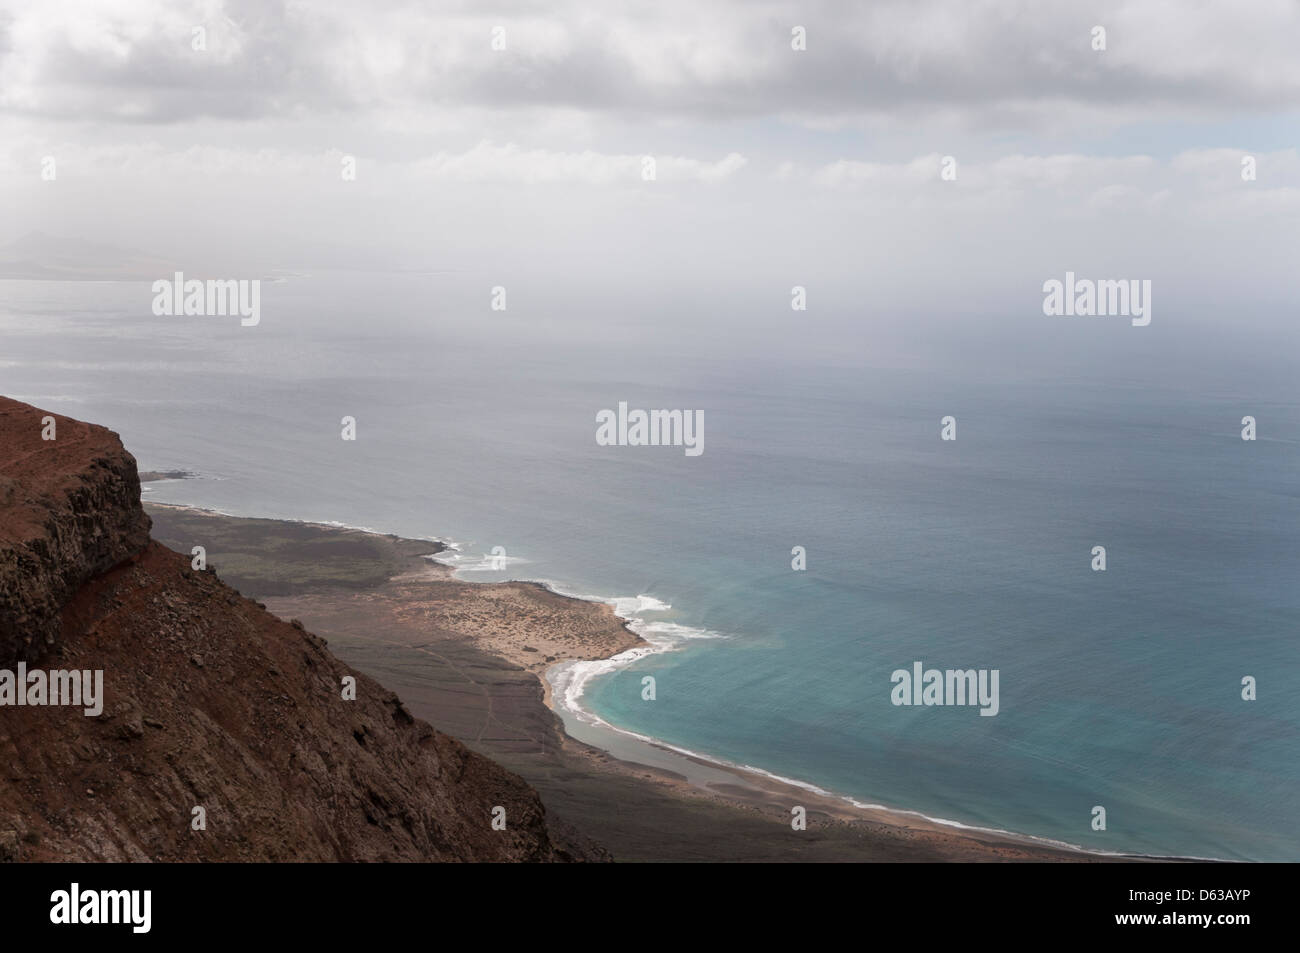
[
  {"x": 209, "y": 702},
  {"x": 70, "y": 510}
]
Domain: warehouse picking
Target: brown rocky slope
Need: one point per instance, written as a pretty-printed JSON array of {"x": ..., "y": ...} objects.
[{"x": 209, "y": 701}]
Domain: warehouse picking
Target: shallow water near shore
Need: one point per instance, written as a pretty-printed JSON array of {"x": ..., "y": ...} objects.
[{"x": 1120, "y": 689}]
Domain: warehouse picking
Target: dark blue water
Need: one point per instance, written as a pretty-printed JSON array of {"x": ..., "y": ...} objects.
[{"x": 1119, "y": 688}]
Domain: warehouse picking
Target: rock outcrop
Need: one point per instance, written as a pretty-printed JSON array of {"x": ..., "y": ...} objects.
[
  {"x": 70, "y": 510},
  {"x": 225, "y": 732}
]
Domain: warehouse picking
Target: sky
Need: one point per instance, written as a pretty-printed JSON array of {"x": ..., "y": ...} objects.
[{"x": 507, "y": 143}]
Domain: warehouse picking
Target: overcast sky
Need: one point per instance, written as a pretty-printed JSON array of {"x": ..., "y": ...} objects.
[{"x": 818, "y": 166}]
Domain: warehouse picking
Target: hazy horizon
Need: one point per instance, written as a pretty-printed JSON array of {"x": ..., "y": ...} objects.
[
  {"x": 821, "y": 229},
  {"x": 774, "y": 167}
]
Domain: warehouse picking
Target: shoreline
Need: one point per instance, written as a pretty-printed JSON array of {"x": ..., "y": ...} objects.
[
  {"x": 687, "y": 773},
  {"x": 761, "y": 781}
]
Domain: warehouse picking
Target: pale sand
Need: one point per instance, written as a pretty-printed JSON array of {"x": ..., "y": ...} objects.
[
  {"x": 425, "y": 610},
  {"x": 524, "y": 623},
  {"x": 533, "y": 628}
]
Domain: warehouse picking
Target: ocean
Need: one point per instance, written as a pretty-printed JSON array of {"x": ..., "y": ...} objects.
[{"x": 1119, "y": 689}]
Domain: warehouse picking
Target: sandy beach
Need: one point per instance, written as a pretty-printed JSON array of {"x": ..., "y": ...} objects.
[{"x": 471, "y": 658}]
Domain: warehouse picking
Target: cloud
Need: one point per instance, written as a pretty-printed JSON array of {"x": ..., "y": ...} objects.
[
  {"x": 1104, "y": 178},
  {"x": 997, "y": 61},
  {"x": 485, "y": 162},
  {"x": 488, "y": 162}
]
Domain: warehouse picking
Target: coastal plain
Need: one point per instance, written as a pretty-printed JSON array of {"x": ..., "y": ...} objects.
[{"x": 470, "y": 658}]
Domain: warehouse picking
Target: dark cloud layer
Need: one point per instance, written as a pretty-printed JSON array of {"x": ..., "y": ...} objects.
[{"x": 134, "y": 63}]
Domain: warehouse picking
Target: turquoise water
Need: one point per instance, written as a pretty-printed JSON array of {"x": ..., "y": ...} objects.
[{"x": 1119, "y": 689}]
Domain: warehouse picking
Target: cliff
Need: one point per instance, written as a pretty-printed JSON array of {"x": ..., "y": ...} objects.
[
  {"x": 209, "y": 702},
  {"x": 69, "y": 510}
]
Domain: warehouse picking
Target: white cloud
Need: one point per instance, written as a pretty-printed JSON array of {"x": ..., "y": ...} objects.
[
  {"x": 1099, "y": 181},
  {"x": 509, "y": 163}
]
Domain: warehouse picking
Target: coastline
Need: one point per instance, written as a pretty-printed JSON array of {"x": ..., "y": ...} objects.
[{"x": 430, "y": 616}]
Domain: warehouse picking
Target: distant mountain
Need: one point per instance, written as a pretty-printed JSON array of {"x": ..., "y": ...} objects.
[{"x": 40, "y": 256}]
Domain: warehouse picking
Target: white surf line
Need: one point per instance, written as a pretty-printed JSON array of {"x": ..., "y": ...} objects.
[{"x": 568, "y": 680}]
